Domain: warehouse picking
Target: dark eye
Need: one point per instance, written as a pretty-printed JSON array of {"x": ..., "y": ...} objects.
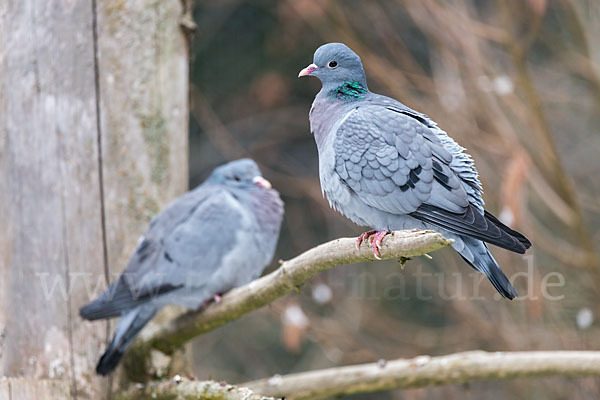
[
  {"x": 332, "y": 64},
  {"x": 237, "y": 178}
]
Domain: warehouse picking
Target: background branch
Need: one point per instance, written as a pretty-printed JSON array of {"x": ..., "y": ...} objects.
[
  {"x": 384, "y": 375},
  {"x": 288, "y": 277},
  {"x": 428, "y": 371}
]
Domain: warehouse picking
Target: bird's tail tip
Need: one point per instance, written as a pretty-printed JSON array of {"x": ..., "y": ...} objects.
[
  {"x": 503, "y": 285},
  {"x": 127, "y": 329},
  {"x": 109, "y": 361},
  {"x": 484, "y": 262}
]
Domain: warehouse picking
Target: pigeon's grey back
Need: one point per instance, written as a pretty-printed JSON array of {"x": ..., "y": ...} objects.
[
  {"x": 219, "y": 236},
  {"x": 389, "y": 167}
]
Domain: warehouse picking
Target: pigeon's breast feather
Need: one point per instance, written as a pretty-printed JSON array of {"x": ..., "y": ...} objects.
[{"x": 337, "y": 192}]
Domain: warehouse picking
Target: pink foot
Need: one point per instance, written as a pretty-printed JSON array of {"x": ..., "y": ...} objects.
[
  {"x": 216, "y": 299},
  {"x": 364, "y": 236},
  {"x": 377, "y": 238}
]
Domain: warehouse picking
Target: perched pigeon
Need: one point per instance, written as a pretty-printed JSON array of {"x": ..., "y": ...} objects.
[
  {"x": 386, "y": 166},
  {"x": 216, "y": 237}
]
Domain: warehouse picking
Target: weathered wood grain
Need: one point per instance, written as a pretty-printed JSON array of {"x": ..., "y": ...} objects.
[
  {"x": 33, "y": 389},
  {"x": 50, "y": 196},
  {"x": 76, "y": 104},
  {"x": 143, "y": 76},
  {"x": 143, "y": 84}
]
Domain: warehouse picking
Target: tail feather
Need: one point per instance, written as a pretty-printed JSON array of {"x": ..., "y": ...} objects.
[
  {"x": 129, "y": 326},
  {"x": 116, "y": 300},
  {"x": 479, "y": 257},
  {"x": 121, "y": 297},
  {"x": 97, "y": 310}
]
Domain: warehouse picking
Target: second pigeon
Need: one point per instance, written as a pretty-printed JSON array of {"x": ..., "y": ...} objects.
[{"x": 218, "y": 236}]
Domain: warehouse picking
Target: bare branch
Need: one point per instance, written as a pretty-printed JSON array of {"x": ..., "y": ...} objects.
[
  {"x": 384, "y": 375},
  {"x": 428, "y": 371},
  {"x": 189, "y": 390},
  {"x": 289, "y": 276}
]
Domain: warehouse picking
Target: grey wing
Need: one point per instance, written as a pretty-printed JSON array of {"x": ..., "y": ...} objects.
[
  {"x": 384, "y": 157},
  {"x": 446, "y": 149},
  {"x": 192, "y": 250},
  {"x": 182, "y": 248},
  {"x": 397, "y": 164}
]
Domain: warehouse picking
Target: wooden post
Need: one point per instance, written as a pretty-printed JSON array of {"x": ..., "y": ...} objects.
[{"x": 93, "y": 142}]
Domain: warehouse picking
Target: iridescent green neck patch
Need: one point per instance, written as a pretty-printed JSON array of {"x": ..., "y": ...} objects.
[{"x": 348, "y": 91}]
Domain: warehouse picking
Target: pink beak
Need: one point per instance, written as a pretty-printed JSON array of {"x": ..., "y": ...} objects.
[
  {"x": 308, "y": 70},
  {"x": 262, "y": 182}
]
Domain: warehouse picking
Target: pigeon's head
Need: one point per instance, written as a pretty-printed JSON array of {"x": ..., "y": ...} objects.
[
  {"x": 242, "y": 173},
  {"x": 336, "y": 64}
]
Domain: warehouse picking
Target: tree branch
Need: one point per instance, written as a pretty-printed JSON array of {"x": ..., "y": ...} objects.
[
  {"x": 398, "y": 374},
  {"x": 288, "y": 277},
  {"x": 176, "y": 389},
  {"x": 428, "y": 371}
]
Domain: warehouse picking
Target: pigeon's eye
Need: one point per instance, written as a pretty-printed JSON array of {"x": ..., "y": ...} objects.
[
  {"x": 237, "y": 178},
  {"x": 332, "y": 64}
]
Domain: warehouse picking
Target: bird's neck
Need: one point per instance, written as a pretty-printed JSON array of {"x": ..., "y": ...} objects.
[
  {"x": 268, "y": 208},
  {"x": 325, "y": 113},
  {"x": 346, "y": 91}
]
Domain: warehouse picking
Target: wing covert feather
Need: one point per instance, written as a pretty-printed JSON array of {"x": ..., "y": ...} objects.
[{"x": 386, "y": 159}]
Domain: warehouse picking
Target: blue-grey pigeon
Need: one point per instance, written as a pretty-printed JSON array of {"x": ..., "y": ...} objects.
[
  {"x": 216, "y": 237},
  {"x": 389, "y": 167}
]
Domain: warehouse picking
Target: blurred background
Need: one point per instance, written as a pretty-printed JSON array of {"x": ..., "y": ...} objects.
[{"x": 515, "y": 82}]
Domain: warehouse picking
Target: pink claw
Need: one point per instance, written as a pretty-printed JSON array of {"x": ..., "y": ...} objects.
[
  {"x": 363, "y": 236},
  {"x": 216, "y": 299},
  {"x": 377, "y": 239}
]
